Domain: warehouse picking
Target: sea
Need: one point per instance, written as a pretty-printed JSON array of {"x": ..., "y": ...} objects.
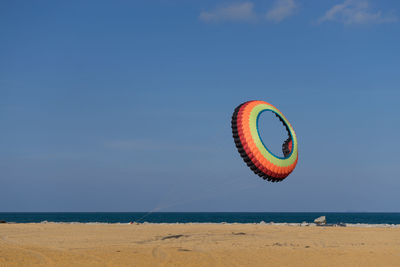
[{"x": 200, "y": 217}]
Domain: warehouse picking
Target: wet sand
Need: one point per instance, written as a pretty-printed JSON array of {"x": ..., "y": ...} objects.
[{"x": 197, "y": 245}]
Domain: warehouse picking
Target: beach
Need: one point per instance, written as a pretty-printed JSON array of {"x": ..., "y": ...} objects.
[{"x": 193, "y": 244}]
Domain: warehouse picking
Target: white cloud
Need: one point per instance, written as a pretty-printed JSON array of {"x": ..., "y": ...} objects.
[
  {"x": 356, "y": 12},
  {"x": 234, "y": 12},
  {"x": 281, "y": 10}
]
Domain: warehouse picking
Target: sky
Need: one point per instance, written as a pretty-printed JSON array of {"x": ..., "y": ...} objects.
[{"x": 126, "y": 105}]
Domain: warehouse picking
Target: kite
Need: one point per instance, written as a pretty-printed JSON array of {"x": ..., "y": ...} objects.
[{"x": 252, "y": 149}]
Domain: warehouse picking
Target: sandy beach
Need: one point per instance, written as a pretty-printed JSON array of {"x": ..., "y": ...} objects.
[{"x": 197, "y": 245}]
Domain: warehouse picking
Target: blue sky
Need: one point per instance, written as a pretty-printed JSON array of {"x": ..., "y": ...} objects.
[{"x": 126, "y": 105}]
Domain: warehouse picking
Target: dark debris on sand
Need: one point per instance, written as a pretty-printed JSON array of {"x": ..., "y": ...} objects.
[
  {"x": 172, "y": 237},
  {"x": 240, "y": 233}
]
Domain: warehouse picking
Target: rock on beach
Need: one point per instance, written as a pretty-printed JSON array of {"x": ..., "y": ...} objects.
[{"x": 320, "y": 220}]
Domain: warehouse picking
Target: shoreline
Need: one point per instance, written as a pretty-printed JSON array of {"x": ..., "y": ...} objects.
[{"x": 303, "y": 224}]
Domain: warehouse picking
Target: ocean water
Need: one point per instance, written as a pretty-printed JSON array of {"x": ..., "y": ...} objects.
[{"x": 199, "y": 217}]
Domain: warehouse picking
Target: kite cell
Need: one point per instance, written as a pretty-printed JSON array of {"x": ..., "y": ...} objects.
[{"x": 252, "y": 149}]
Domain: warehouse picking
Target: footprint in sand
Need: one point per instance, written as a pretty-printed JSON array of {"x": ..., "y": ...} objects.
[{"x": 159, "y": 253}]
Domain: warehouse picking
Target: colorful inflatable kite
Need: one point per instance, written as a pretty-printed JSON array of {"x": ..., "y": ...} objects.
[{"x": 252, "y": 149}]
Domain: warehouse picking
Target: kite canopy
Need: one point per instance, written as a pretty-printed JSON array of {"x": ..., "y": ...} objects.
[{"x": 252, "y": 149}]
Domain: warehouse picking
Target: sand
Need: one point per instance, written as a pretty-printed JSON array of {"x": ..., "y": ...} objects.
[{"x": 196, "y": 245}]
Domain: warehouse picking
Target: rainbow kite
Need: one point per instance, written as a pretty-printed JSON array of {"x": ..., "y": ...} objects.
[{"x": 252, "y": 149}]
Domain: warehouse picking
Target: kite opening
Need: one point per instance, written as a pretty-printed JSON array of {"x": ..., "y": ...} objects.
[{"x": 273, "y": 132}]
